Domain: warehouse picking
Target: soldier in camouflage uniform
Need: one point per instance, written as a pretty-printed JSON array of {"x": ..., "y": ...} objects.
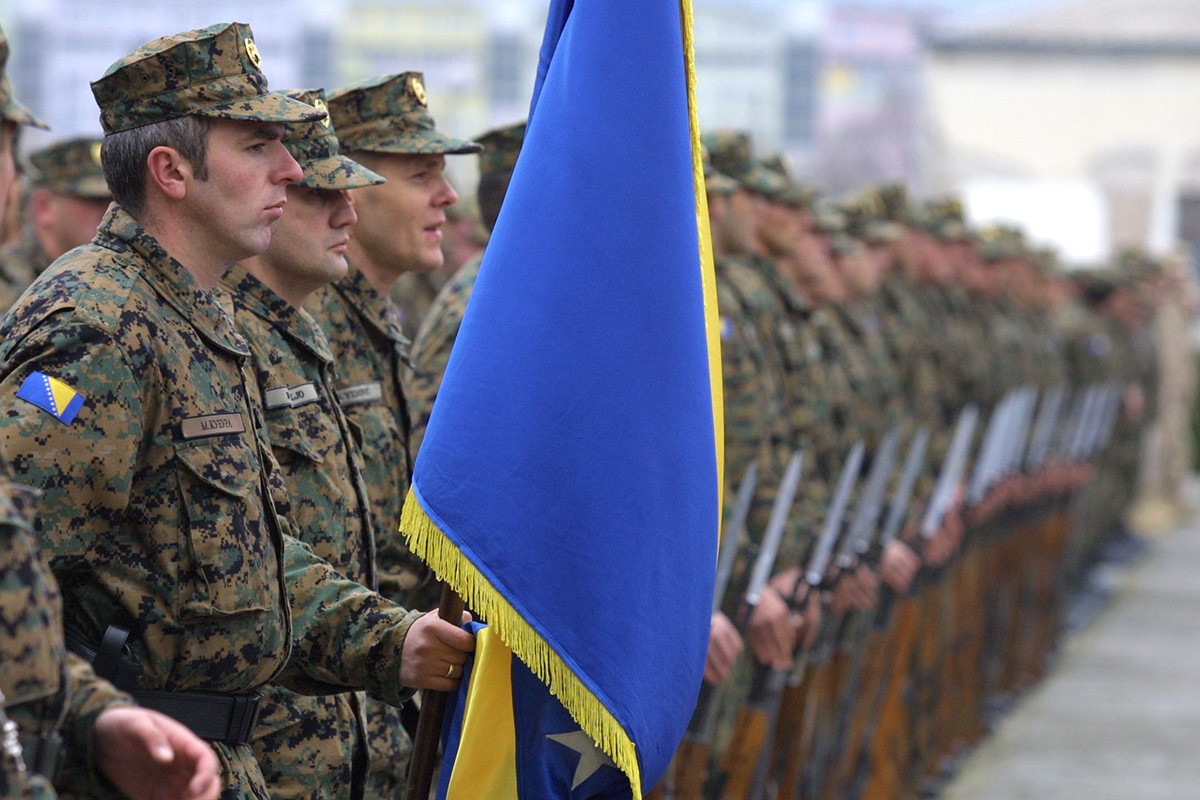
[
  {"x": 67, "y": 200},
  {"x": 384, "y": 124},
  {"x": 13, "y": 279},
  {"x": 313, "y": 746},
  {"x": 56, "y": 715},
  {"x": 60, "y": 722},
  {"x": 126, "y": 397},
  {"x": 439, "y": 328}
]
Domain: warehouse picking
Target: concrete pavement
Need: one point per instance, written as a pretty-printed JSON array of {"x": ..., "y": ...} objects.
[{"x": 1118, "y": 717}]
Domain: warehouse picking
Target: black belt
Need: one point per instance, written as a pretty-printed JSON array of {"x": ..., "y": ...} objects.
[{"x": 216, "y": 716}]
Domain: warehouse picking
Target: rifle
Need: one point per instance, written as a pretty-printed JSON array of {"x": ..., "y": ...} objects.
[
  {"x": 804, "y": 688},
  {"x": 951, "y": 475},
  {"x": 864, "y": 523},
  {"x": 691, "y": 759},
  {"x": 865, "y": 750},
  {"x": 747, "y": 760},
  {"x": 1042, "y": 438},
  {"x": 752, "y": 716}
]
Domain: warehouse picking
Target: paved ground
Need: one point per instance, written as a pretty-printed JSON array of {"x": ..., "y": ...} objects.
[{"x": 1119, "y": 716}]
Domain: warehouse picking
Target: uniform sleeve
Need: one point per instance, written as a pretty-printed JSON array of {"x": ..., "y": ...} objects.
[
  {"x": 82, "y": 465},
  {"x": 344, "y": 635}
]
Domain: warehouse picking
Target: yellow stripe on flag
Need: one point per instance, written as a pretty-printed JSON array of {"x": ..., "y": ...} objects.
[
  {"x": 487, "y": 753},
  {"x": 61, "y": 393}
]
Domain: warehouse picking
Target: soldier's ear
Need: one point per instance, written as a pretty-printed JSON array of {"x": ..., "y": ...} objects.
[{"x": 168, "y": 172}]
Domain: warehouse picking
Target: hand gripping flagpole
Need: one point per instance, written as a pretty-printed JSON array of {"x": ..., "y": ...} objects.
[{"x": 429, "y": 720}]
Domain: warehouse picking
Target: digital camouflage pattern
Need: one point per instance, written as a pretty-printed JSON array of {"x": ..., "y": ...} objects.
[
  {"x": 157, "y": 499},
  {"x": 11, "y": 109},
  {"x": 43, "y": 689},
  {"x": 305, "y": 745},
  {"x": 431, "y": 350},
  {"x": 732, "y": 154},
  {"x": 211, "y": 72},
  {"x": 20, "y": 262},
  {"x": 501, "y": 146},
  {"x": 72, "y": 168},
  {"x": 314, "y": 145},
  {"x": 363, "y": 329},
  {"x": 391, "y": 115}
]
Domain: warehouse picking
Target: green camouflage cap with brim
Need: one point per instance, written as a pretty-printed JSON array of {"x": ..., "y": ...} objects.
[
  {"x": 211, "y": 72},
  {"x": 72, "y": 168},
  {"x": 391, "y": 115},
  {"x": 828, "y": 218},
  {"x": 1001, "y": 243},
  {"x": 732, "y": 153},
  {"x": 792, "y": 193},
  {"x": 716, "y": 183},
  {"x": 501, "y": 146},
  {"x": 314, "y": 145},
  {"x": 11, "y": 110}
]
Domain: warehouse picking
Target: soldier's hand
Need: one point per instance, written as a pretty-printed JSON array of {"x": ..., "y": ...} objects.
[
  {"x": 772, "y": 632},
  {"x": 434, "y": 653},
  {"x": 724, "y": 646},
  {"x": 899, "y": 566},
  {"x": 149, "y": 756}
]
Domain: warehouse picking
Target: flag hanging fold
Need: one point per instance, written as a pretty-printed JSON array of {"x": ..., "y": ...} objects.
[{"x": 568, "y": 485}]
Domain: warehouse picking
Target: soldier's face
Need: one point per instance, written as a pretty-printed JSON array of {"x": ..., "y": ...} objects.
[
  {"x": 308, "y": 244},
  {"x": 249, "y": 169},
  {"x": 65, "y": 221},
  {"x": 400, "y": 223}
]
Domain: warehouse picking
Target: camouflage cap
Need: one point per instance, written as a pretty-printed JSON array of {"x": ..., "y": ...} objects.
[
  {"x": 501, "y": 146},
  {"x": 391, "y": 115},
  {"x": 71, "y": 167},
  {"x": 10, "y": 109},
  {"x": 1001, "y": 242},
  {"x": 314, "y": 145},
  {"x": 792, "y": 193},
  {"x": 733, "y": 154},
  {"x": 211, "y": 72},
  {"x": 716, "y": 183}
]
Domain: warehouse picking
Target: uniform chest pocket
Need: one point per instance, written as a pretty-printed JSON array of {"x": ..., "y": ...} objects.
[
  {"x": 232, "y": 565},
  {"x": 306, "y": 433}
]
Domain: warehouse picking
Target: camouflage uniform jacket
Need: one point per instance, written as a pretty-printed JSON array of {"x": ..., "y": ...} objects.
[
  {"x": 43, "y": 689},
  {"x": 363, "y": 329},
  {"x": 20, "y": 263},
  {"x": 431, "y": 350},
  {"x": 158, "y": 497},
  {"x": 784, "y": 323},
  {"x": 305, "y": 744}
]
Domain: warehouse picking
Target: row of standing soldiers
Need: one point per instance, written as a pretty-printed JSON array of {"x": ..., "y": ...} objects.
[
  {"x": 859, "y": 340},
  {"x": 931, "y": 432}
]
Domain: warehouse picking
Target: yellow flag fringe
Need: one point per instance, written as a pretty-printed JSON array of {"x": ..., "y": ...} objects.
[{"x": 429, "y": 543}]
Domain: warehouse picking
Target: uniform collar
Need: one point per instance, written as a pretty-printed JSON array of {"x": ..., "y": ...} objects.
[
  {"x": 260, "y": 300},
  {"x": 172, "y": 281}
]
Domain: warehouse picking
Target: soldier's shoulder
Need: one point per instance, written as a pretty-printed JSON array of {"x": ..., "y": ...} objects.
[{"x": 88, "y": 286}]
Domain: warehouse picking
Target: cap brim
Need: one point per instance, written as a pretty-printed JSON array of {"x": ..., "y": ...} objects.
[
  {"x": 337, "y": 172},
  {"x": 437, "y": 144},
  {"x": 89, "y": 189},
  {"x": 270, "y": 107},
  {"x": 18, "y": 114}
]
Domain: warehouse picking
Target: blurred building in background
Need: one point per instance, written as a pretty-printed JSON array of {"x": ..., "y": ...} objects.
[
  {"x": 1084, "y": 115},
  {"x": 1084, "y": 109}
]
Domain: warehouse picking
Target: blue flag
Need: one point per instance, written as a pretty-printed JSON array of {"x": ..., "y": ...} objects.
[{"x": 568, "y": 486}]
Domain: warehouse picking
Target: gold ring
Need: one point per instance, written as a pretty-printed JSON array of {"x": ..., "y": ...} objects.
[{"x": 450, "y": 671}]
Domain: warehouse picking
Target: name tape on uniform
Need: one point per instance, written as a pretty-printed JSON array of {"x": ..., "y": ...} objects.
[
  {"x": 290, "y": 396},
  {"x": 361, "y": 393},
  {"x": 212, "y": 425}
]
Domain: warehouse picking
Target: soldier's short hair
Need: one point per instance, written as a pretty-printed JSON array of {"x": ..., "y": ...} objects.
[{"x": 124, "y": 155}]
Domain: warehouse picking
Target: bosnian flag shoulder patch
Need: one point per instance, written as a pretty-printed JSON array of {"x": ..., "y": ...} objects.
[{"x": 52, "y": 396}]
